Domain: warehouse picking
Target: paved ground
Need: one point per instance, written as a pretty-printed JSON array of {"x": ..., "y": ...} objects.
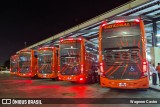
[
  {"x": 16, "y": 87},
  {"x": 155, "y": 87}
]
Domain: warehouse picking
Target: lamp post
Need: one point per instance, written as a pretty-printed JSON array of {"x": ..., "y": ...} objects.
[{"x": 25, "y": 44}]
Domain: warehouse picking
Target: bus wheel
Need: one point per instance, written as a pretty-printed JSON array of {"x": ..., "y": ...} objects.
[
  {"x": 102, "y": 87},
  {"x": 35, "y": 77},
  {"x": 88, "y": 80},
  {"x": 93, "y": 79},
  {"x": 142, "y": 89},
  {"x": 55, "y": 79}
]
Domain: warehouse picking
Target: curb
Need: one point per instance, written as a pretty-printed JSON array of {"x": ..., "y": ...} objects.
[
  {"x": 153, "y": 88},
  {"x": 2, "y": 72}
]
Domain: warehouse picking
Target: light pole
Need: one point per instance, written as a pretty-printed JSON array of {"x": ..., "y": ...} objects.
[{"x": 25, "y": 44}]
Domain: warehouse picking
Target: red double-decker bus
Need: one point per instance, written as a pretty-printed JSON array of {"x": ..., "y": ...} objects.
[
  {"x": 27, "y": 63},
  {"x": 48, "y": 62},
  {"x": 14, "y": 64},
  {"x": 122, "y": 54},
  {"x": 78, "y": 59}
]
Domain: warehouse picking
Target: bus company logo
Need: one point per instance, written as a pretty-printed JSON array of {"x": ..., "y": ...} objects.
[
  {"x": 125, "y": 24},
  {"x": 6, "y": 101},
  {"x": 117, "y": 25}
]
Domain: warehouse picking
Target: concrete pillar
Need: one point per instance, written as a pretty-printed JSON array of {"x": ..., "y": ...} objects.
[
  {"x": 155, "y": 55},
  {"x": 154, "y": 37}
]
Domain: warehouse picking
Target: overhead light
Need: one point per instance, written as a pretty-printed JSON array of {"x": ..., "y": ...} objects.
[
  {"x": 149, "y": 57},
  {"x": 158, "y": 35},
  {"x": 158, "y": 44},
  {"x": 124, "y": 32},
  {"x": 137, "y": 20}
]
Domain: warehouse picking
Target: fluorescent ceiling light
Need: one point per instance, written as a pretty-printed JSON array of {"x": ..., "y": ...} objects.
[
  {"x": 158, "y": 44},
  {"x": 158, "y": 35}
]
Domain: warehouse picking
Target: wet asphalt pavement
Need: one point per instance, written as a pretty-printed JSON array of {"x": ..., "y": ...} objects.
[{"x": 17, "y": 87}]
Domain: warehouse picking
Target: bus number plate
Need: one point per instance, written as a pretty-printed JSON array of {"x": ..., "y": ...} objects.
[
  {"x": 69, "y": 78},
  {"x": 122, "y": 84}
]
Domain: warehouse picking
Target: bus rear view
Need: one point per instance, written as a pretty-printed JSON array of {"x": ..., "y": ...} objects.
[
  {"x": 48, "y": 62},
  {"x": 28, "y": 64},
  {"x": 14, "y": 64},
  {"x": 122, "y": 50}
]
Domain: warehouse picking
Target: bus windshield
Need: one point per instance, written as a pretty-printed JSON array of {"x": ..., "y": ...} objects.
[
  {"x": 121, "y": 48},
  {"x": 120, "y": 36},
  {"x": 14, "y": 65},
  {"x": 45, "y": 61},
  {"x": 70, "y": 58},
  {"x": 25, "y": 62}
]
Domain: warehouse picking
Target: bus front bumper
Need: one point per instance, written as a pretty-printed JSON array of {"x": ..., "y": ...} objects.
[
  {"x": 26, "y": 74},
  {"x": 13, "y": 73},
  {"x": 68, "y": 78},
  {"x": 125, "y": 84},
  {"x": 52, "y": 75}
]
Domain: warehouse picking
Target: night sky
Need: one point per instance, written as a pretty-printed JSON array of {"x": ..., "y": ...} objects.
[{"x": 27, "y": 21}]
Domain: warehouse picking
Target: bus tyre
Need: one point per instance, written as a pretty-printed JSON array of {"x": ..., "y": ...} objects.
[
  {"x": 142, "y": 89},
  {"x": 73, "y": 82},
  {"x": 93, "y": 80},
  {"x": 88, "y": 80},
  {"x": 96, "y": 79},
  {"x": 55, "y": 79},
  {"x": 102, "y": 87},
  {"x": 35, "y": 77}
]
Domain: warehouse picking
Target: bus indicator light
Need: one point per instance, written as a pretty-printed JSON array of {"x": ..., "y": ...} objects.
[
  {"x": 80, "y": 39},
  {"x": 101, "y": 64},
  {"x": 103, "y": 24},
  {"x": 59, "y": 78},
  {"x": 101, "y": 67},
  {"x": 81, "y": 79},
  {"x": 61, "y": 40},
  {"x": 144, "y": 67}
]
